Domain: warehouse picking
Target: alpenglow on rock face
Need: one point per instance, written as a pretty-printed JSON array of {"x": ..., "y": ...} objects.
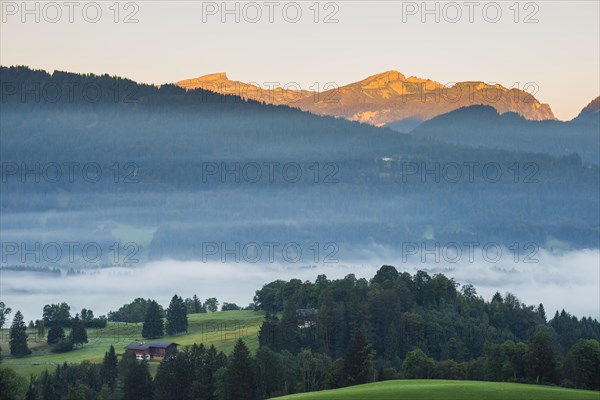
[
  {"x": 386, "y": 98},
  {"x": 590, "y": 113}
]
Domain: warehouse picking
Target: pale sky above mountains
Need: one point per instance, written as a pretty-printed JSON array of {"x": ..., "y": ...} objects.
[{"x": 560, "y": 53}]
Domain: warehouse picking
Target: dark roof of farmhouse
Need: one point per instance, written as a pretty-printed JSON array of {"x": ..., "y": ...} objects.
[{"x": 146, "y": 346}]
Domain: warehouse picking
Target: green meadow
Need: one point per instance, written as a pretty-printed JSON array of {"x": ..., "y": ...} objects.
[
  {"x": 447, "y": 390},
  {"x": 220, "y": 329}
]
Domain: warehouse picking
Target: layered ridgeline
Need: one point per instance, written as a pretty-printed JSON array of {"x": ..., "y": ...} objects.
[
  {"x": 386, "y": 98},
  {"x": 484, "y": 126},
  {"x": 163, "y": 154}
]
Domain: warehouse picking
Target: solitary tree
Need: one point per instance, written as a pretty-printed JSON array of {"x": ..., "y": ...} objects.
[
  {"x": 211, "y": 304},
  {"x": 78, "y": 332},
  {"x": 18, "y": 337},
  {"x": 177, "y": 321},
  {"x": 153, "y": 324}
]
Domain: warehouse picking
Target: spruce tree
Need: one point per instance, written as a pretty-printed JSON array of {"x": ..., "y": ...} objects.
[
  {"x": 542, "y": 313},
  {"x": 541, "y": 357},
  {"x": 177, "y": 321},
  {"x": 288, "y": 332},
  {"x": 197, "y": 304},
  {"x": 48, "y": 392},
  {"x": 55, "y": 334},
  {"x": 18, "y": 337},
  {"x": 358, "y": 364},
  {"x": 78, "y": 332},
  {"x": 153, "y": 324},
  {"x": 391, "y": 343},
  {"x": 239, "y": 379},
  {"x": 109, "y": 369},
  {"x": 213, "y": 361},
  {"x": 32, "y": 389},
  {"x": 137, "y": 381},
  {"x": 175, "y": 378}
]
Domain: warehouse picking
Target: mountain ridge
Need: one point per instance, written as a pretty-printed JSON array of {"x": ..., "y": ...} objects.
[
  {"x": 383, "y": 98},
  {"x": 589, "y": 113}
]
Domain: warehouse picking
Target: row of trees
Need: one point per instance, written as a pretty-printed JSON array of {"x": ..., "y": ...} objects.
[
  {"x": 515, "y": 362},
  {"x": 57, "y": 338},
  {"x": 62, "y": 343},
  {"x": 176, "y": 314},
  {"x": 177, "y": 321},
  {"x": 137, "y": 310},
  {"x": 60, "y": 315}
]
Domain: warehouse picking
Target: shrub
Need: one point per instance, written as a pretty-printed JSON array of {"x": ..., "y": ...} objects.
[
  {"x": 388, "y": 374},
  {"x": 62, "y": 346}
]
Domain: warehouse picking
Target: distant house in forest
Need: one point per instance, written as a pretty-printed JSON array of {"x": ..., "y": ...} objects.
[
  {"x": 306, "y": 317},
  {"x": 152, "y": 350}
]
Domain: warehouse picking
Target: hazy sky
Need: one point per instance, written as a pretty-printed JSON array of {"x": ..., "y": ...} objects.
[{"x": 176, "y": 40}]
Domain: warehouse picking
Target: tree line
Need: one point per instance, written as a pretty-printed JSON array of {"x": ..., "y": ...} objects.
[
  {"x": 136, "y": 311},
  {"x": 422, "y": 326}
]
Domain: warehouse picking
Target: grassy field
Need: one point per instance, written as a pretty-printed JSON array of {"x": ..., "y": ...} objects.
[
  {"x": 221, "y": 329},
  {"x": 447, "y": 390}
]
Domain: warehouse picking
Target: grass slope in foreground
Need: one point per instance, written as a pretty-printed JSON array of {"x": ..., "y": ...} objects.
[
  {"x": 447, "y": 390},
  {"x": 220, "y": 329}
]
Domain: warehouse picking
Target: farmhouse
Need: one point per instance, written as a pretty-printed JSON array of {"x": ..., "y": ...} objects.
[{"x": 152, "y": 350}]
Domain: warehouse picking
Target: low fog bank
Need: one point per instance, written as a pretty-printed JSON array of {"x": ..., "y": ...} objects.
[{"x": 570, "y": 280}]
